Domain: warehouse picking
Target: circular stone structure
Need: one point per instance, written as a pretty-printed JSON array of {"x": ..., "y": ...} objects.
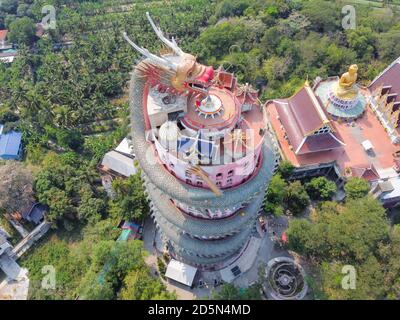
[{"x": 285, "y": 279}]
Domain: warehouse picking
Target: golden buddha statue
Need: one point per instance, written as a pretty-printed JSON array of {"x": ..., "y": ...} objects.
[{"x": 346, "y": 88}]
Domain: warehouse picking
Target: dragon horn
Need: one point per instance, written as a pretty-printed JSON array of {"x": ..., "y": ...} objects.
[
  {"x": 172, "y": 44},
  {"x": 153, "y": 58}
]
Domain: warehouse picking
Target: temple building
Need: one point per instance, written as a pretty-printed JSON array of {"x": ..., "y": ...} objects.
[
  {"x": 388, "y": 83},
  {"x": 340, "y": 129},
  {"x": 206, "y": 157},
  {"x": 7, "y": 51},
  {"x": 307, "y": 127},
  {"x": 385, "y": 99}
]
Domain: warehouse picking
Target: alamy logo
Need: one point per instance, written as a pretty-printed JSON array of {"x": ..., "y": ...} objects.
[
  {"x": 349, "y": 20},
  {"x": 49, "y": 20},
  {"x": 49, "y": 280},
  {"x": 349, "y": 280}
]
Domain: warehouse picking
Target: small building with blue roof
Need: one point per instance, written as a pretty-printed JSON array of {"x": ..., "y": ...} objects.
[{"x": 10, "y": 145}]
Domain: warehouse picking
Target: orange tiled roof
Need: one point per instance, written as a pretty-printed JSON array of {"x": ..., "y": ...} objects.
[{"x": 3, "y": 35}]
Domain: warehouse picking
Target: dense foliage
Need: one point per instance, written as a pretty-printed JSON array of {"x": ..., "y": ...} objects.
[
  {"x": 356, "y": 234},
  {"x": 356, "y": 187},
  {"x": 97, "y": 267},
  {"x": 275, "y": 44},
  {"x": 129, "y": 200},
  {"x": 229, "y": 291},
  {"x": 275, "y": 195},
  {"x": 296, "y": 197},
  {"x": 321, "y": 188},
  {"x": 66, "y": 184}
]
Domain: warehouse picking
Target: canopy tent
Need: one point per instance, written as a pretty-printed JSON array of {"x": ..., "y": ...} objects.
[{"x": 181, "y": 272}]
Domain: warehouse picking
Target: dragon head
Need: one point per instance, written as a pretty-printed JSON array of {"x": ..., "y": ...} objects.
[{"x": 177, "y": 70}]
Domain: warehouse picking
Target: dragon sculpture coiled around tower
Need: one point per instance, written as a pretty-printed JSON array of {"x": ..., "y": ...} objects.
[{"x": 183, "y": 116}]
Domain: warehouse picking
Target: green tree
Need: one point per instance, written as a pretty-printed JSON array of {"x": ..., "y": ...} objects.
[
  {"x": 90, "y": 208},
  {"x": 228, "y": 291},
  {"x": 388, "y": 256},
  {"x": 216, "y": 40},
  {"x": 368, "y": 281},
  {"x": 356, "y": 234},
  {"x": 140, "y": 285},
  {"x": 97, "y": 146},
  {"x": 91, "y": 289},
  {"x": 111, "y": 262},
  {"x": 321, "y": 188},
  {"x": 59, "y": 204},
  {"x": 70, "y": 139},
  {"x": 275, "y": 195},
  {"x": 285, "y": 169},
  {"x": 66, "y": 184},
  {"x": 130, "y": 201},
  {"x": 363, "y": 41},
  {"x": 323, "y": 15},
  {"x": 69, "y": 269},
  {"x": 230, "y": 8},
  {"x": 22, "y": 31},
  {"x": 9, "y": 6},
  {"x": 302, "y": 237},
  {"x": 389, "y": 43},
  {"x": 356, "y": 187},
  {"x": 296, "y": 197},
  {"x": 351, "y": 232}
]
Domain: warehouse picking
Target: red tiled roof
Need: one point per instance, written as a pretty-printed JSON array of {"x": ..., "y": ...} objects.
[
  {"x": 3, "y": 35},
  {"x": 246, "y": 94},
  {"x": 302, "y": 115},
  {"x": 367, "y": 172},
  {"x": 319, "y": 142},
  {"x": 368, "y": 127},
  {"x": 289, "y": 123},
  {"x": 389, "y": 78},
  {"x": 307, "y": 110}
]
